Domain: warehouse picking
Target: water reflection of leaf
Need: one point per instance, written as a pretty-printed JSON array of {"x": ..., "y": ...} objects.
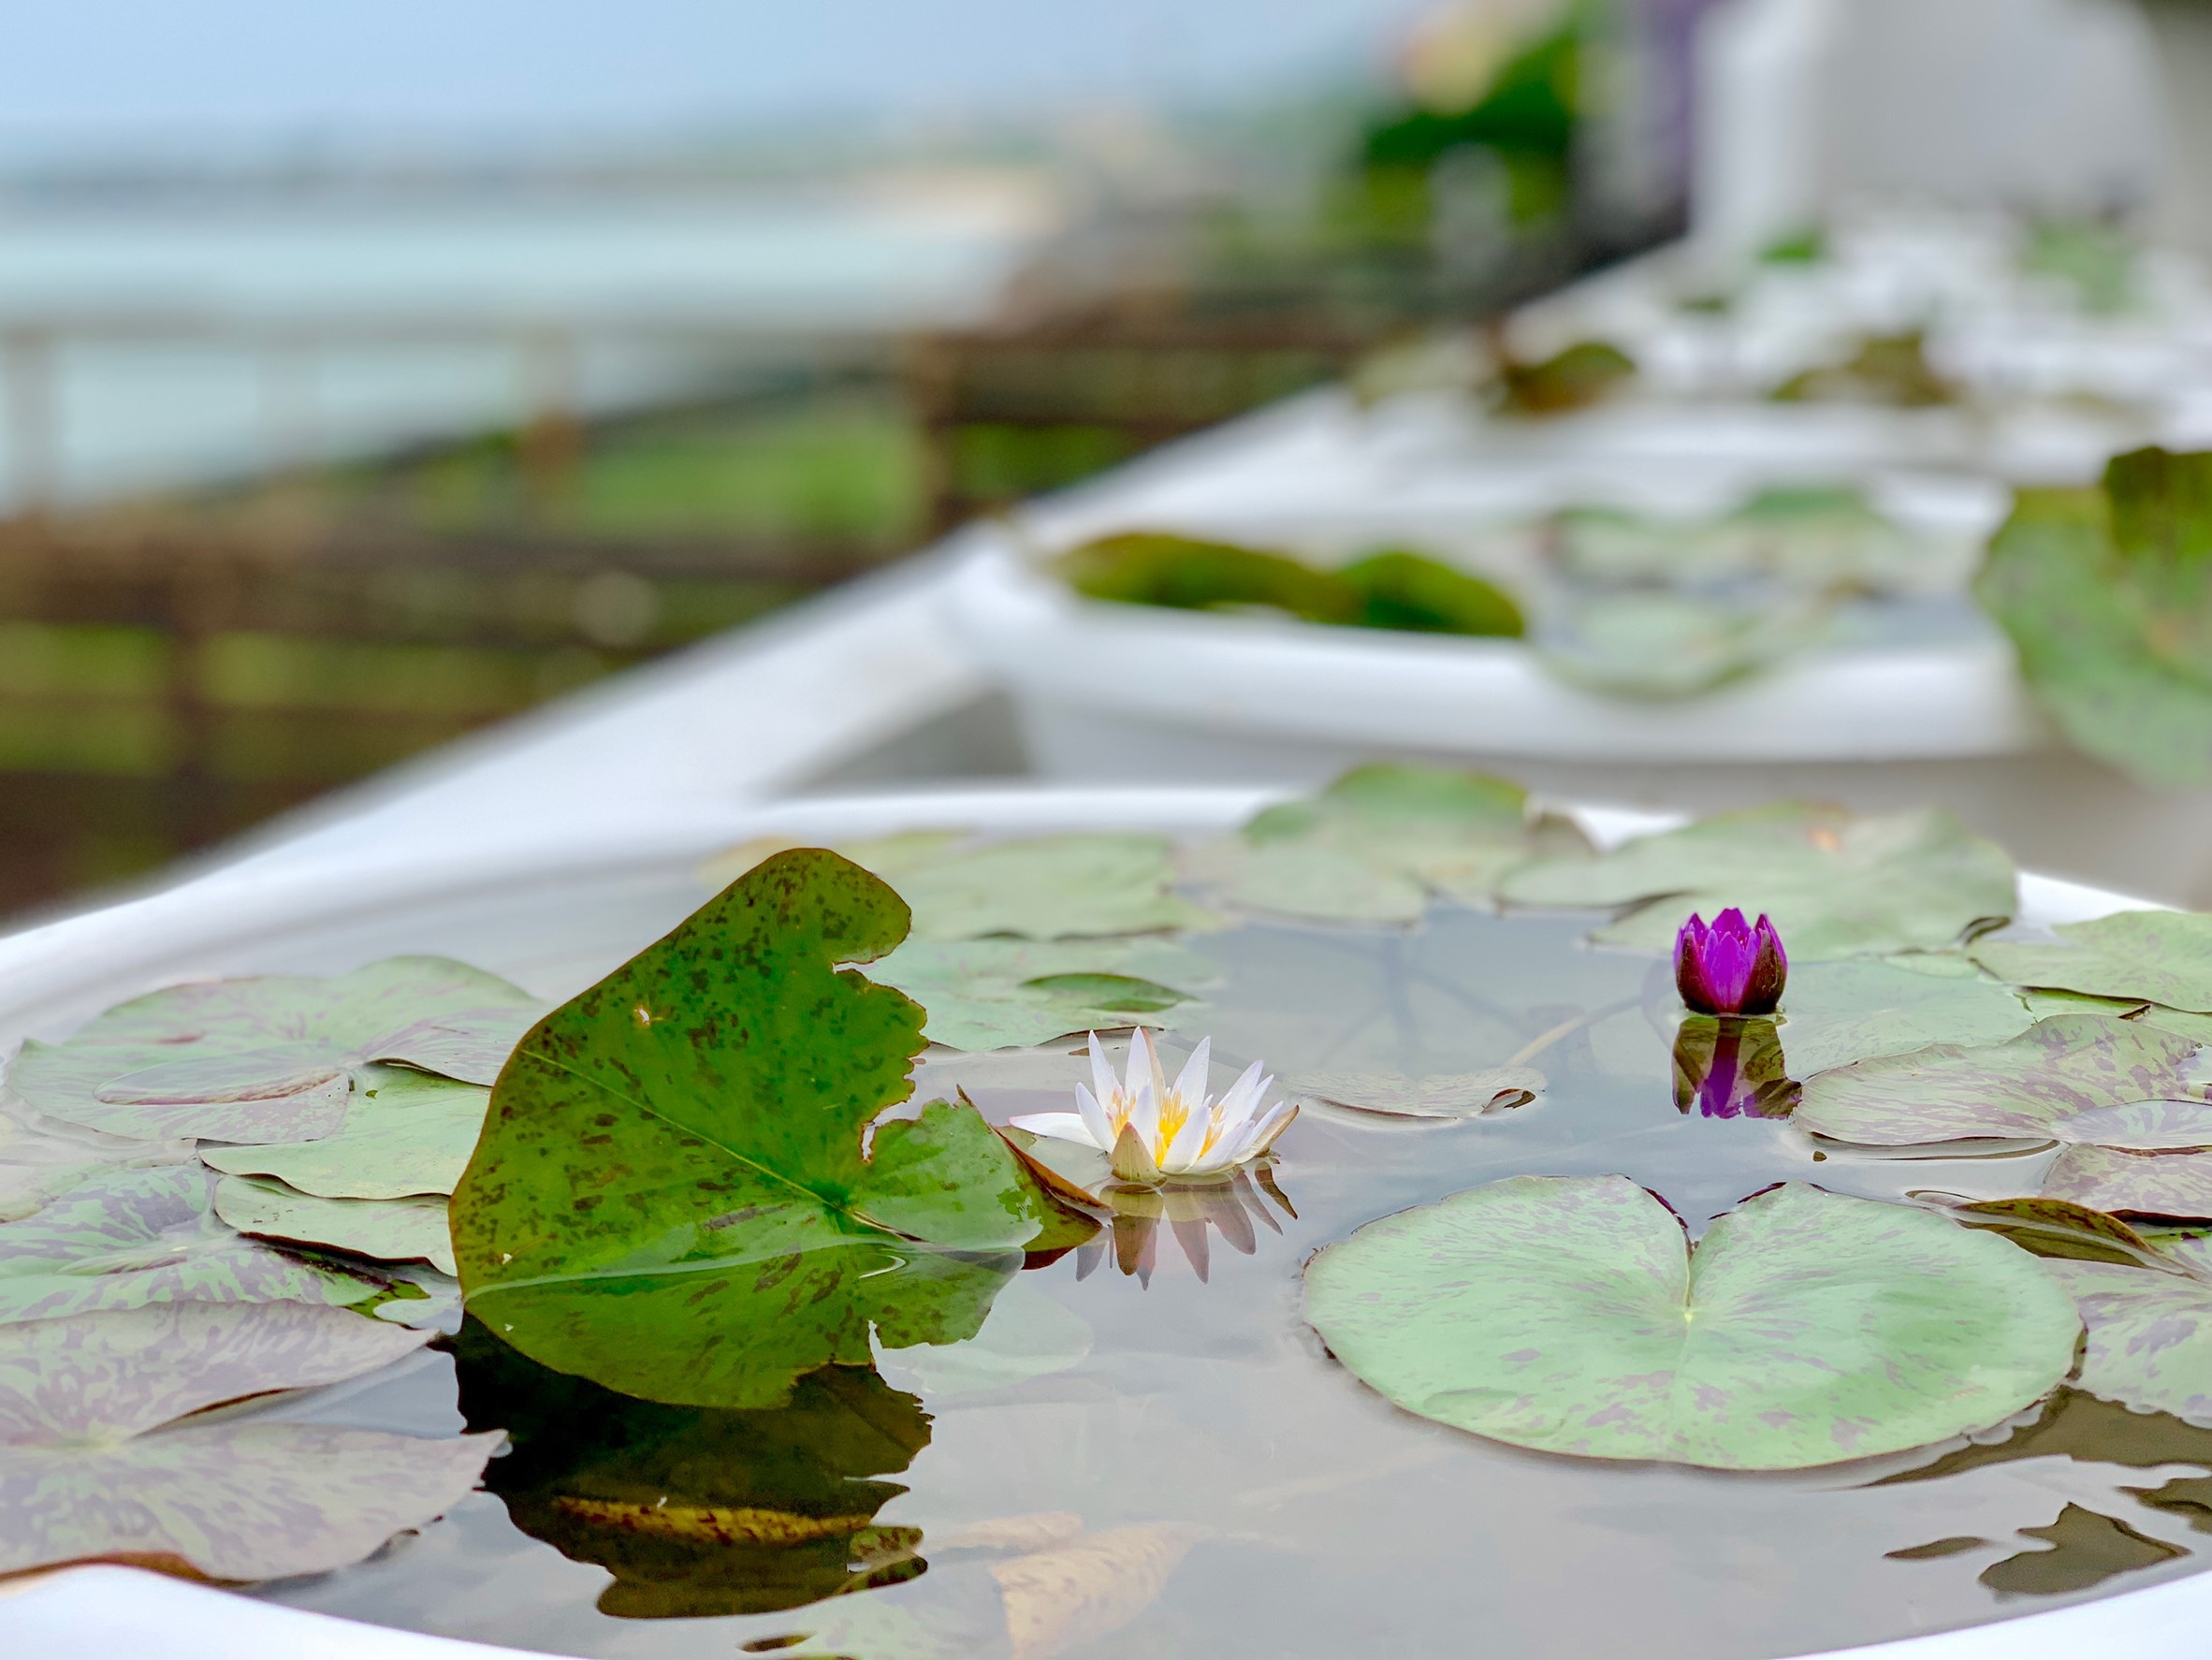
[
  {"x": 2071, "y": 1425},
  {"x": 1193, "y": 1213},
  {"x": 2086, "y": 1549},
  {"x": 697, "y": 1511}
]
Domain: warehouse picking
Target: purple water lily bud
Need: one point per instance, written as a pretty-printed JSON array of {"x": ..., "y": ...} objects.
[{"x": 1731, "y": 967}]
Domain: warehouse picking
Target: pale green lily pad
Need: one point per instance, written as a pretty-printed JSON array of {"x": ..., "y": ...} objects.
[
  {"x": 675, "y": 1194},
  {"x": 1838, "y": 1013},
  {"x": 1006, "y": 993},
  {"x": 2149, "y": 1337},
  {"x": 1569, "y": 1315},
  {"x": 42, "y": 1160},
  {"x": 95, "y": 1463},
  {"x": 129, "y": 1238},
  {"x": 269, "y": 1059},
  {"x": 2022, "y": 1088},
  {"x": 404, "y": 1133},
  {"x": 1046, "y": 887},
  {"x": 382, "y": 1229},
  {"x": 1655, "y": 644},
  {"x": 1376, "y": 844},
  {"x": 2142, "y": 1127},
  {"x": 2043, "y": 1004},
  {"x": 1835, "y": 885},
  {"x": 1028, "y": 1334},
  {"x": 2133, "y": 1183},
  {"x": 2142, "y": 956}
]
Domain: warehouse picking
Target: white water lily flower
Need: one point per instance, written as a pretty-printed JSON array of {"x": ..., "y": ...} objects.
[{"x": 1154, "y": 1132}]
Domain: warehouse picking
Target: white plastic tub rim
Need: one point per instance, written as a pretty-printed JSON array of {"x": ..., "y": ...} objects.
[
  {"x": 1440, "y": 694},
  {"x": 47, "y": 976}
]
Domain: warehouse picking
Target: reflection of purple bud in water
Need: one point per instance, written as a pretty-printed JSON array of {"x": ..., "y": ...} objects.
[
  {"x": 1730, "y": 967},
  {"x": 1730, "y": 1068}
]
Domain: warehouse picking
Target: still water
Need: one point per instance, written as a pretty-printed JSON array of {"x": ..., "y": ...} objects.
[{"x": 1198, "y": 1477}]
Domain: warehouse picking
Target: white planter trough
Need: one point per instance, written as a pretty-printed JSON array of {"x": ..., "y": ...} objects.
[{"x": 557, "y": 917}]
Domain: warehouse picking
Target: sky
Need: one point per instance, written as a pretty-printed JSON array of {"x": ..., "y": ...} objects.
[{"x": 103, "y": 75}]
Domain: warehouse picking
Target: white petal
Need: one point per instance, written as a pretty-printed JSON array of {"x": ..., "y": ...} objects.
[
  {"x": 1191, "y": 1083},
  {"x": 1181, "y": 1154},
  {"x": 1104, "y": 1083},
  {"x": 1239, "y": 1099},
  {"x": 1271, "y": 1127},
  {"x": 1095, "y": 1118},
  {"x": 1060, "y": 1126}
]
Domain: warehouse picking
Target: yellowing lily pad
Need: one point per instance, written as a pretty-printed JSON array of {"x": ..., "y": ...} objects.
[
  {"x": 95, "y": 1463},
  {"x": 1836, "y": 885},
  {"x": 404, "y": 1133},
  {"x": 2022, "y": 1088},
  {"x": 1570, "y": 1315},
  {"x": 270, "y": 1059},
  {"x": 2145, "y": 956}
]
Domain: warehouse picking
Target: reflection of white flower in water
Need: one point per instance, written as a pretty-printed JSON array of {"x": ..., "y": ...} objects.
[{"x": 1154, "y": 1131}]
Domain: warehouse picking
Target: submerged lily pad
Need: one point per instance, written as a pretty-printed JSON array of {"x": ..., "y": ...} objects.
[
  {"x": 2142, "y": 956},
  {"x": 404, "y": 1133},
  {"x": 1569, "y": 1314},
  {"x": 671, "y": 1195},
  {"x": 95, "y": 1464},
  {"x": 2150, "y": 1337},
  {"x": 1379, "y": 841},
  {"x": 269, "y": 1059},
  {"x": 2024, "y": 1086},
  {"x": 1838, "y": 1013},
  {"x": 128, "y": 1238},
  {"x": 1836, "y": 885},
  {"x": 383, "y": 1230},
  {"x": 1006, "y": 993}
]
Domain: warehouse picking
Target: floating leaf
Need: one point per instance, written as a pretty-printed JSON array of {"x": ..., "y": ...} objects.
[
  {"x": 2150, "y": 1337},
  {"x": 1376, "y": 844},
  {"x": 2141, "y": 956},
  {"x": 2087, "y": 1547},
  {"x": 1442, "y": 1095},
  {"x": 1048, "y": 887},
  {"x": 128, "y": 1238},
  {"x": 1658, "y": 645},
  {"x": 2105, "y": 594},
  {"x": 404, "y": 1133},
  {"x": 700, "y": 1513},
  {"x": 2021, "y": 1087},
  {"x": 269, "y": 1059},
  {"x": 41, "y": 1161},
  {"x": 90, "y": 1471},
  {"x": 1835, "y": 885},
  {"x": 385, "y": 1229},
  {"x": 2142, "y": 1127},
  {"x": 1399, "y": 588},
  {"x": 2056, "y": 1228},
  {"x": 2133, "y": 1183},
  {"x": 1569, "y": 1314},
  {"x": 1158, "y": 568},
  {"x": 1004, "y": 994},
  {"x": 1838, "y": 1013},
  {"x": 671, "y": 1194}
]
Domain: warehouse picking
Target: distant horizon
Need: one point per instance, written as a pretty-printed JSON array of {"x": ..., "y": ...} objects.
[{"x": 85, "y": 83}]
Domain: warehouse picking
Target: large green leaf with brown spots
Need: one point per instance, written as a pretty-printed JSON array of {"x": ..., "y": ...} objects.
[{"x": 672, "y": 1195}]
